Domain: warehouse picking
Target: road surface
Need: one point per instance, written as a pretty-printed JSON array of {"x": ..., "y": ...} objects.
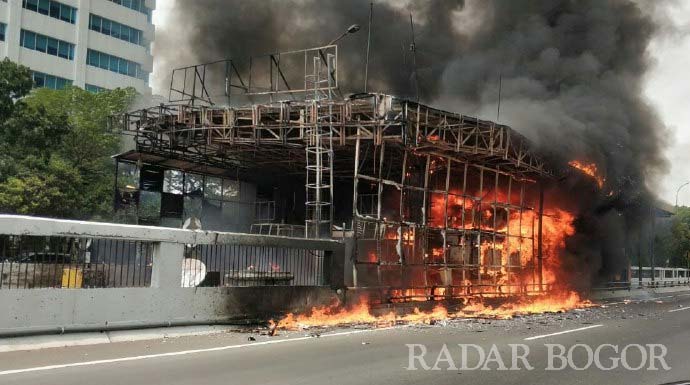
[{"x": 381, "y": 356}]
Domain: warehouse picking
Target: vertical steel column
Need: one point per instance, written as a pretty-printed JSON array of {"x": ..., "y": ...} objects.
[
  {"x": 465, "y": 240},
  {"x": 355, "y": 212},
  {"x": 400, "y": 244},
  {"x": 540, "y": 256},
  {"x": 381, "y": 226},
  {"x": 479, "y": 231},
  {"x": 425, "y": 221},
  {"x": 493, "y": 227},
  {"x": 448, "y": 272},
  {"x": 507, "y": 251}
]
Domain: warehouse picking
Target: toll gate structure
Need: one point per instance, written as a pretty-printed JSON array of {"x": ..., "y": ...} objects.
[{"x": 437, "y": 204}]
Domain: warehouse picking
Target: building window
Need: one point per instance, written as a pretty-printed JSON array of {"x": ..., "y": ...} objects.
[
  {"x": 137, "y": 5},
  {"x": 2, "y": 32},
  {"x": 53, "y": 9},
  {"x": 115, "y": 29},
  {"x": 116, "y": 64},
  {"x": 94, "y": 89},
  {"x": 46, "y": 44},
  {"x": 49, "y": 81}
]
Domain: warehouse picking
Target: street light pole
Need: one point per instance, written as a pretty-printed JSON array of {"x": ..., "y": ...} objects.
[
  {"x": 678, "y": 191},
  {"x": 351, "y": 29}
]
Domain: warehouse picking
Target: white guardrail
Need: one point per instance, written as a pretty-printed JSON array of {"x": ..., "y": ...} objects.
[{"x": 58, "y": 275}]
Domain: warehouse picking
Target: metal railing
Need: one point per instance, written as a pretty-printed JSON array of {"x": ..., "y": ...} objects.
[
  {"x": 238, "y": 265},
  {"x": 279, "y": 229},
  {"x": 73, "y": 262},
  {"x": 50, "y": 253}
]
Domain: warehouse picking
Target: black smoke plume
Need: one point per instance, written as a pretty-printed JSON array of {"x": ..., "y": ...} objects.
[{"x": 571, "y": 76}]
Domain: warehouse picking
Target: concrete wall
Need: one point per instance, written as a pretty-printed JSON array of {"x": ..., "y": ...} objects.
[
  {"x": 165, "y": 302},
  {"x": 56, "y": 310}
]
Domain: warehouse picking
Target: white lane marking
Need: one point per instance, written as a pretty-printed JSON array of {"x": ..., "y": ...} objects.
[
  {"x": 187, "y": 352},
  {"x": 643, "y": 300},
  {"x": 679, "y": 309},
  {"x": 614, "y": 303},
  {"x": 563, "y": 332}
]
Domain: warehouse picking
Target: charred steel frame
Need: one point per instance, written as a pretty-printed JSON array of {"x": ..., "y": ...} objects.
[
  {"x": 269, "y": 75},
  {"x": 414, "y": 255},
  {"x": 435, "y": 195}
]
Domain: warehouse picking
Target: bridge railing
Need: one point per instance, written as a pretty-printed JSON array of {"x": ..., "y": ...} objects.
[
  {"x": 59, "y": 276},
  {"x": 51, "y": 253}
]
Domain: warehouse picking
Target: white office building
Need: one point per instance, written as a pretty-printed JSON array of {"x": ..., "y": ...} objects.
[{"x": 93, "y": 44}]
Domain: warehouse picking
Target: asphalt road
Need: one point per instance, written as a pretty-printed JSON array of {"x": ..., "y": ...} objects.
[{"x": 381, "y": 356}]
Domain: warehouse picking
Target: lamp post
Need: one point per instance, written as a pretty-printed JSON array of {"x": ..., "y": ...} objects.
[
  {"x": 351, "y": 29},
  {"x": 678, "y": 191}
]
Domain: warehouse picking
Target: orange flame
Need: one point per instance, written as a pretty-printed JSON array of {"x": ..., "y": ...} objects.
[
  {"x": 550, "y": 303},
  {"x": 333, "y": 315},
  {"x": 505, "y": 246},
  {"x": 361, "y": 313},
  {"x": 589, "y": 169}
]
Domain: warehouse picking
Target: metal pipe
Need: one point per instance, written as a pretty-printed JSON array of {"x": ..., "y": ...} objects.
[
  {"x": 366, "y": 65},
  {"x": 652, "y": 234},
  {"x": 413, "y": 48}
]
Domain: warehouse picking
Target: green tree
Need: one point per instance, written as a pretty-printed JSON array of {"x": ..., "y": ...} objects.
[
  {"x": 47, "y": 190},
  {"x": 15, "y": 83},
  {"x": 680, "y": 231},
  {"x": 672, "y": 240},
  {"x": 55, "y": 149}
]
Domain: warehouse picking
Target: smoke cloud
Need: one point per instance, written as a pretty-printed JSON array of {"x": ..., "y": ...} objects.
[{"x": 571, "y": 76}]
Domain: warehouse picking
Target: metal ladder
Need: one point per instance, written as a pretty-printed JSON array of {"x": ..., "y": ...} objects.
[{"x": 319, "y": 154}]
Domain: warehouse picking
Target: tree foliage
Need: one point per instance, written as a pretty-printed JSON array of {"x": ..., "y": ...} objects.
[
  {"x": 55, "y": 147},
  {"x": 672, "y": 242},
  {"x": 15, "y": 83}
]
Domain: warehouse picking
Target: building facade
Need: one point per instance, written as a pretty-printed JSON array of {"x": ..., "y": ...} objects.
[{"x": 92, "y": 44}]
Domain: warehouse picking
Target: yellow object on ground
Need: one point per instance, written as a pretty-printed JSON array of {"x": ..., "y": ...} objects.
[{"x": 72, "y": 277}]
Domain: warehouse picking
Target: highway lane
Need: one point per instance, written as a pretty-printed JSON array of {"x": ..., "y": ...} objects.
[{"x": 365, "y": 356}]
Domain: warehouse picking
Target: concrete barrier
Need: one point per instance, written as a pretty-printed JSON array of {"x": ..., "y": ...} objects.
[{"x": 165, "y": 302}]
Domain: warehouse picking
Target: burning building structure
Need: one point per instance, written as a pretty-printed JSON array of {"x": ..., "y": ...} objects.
[{"x": 436, "y": 204}]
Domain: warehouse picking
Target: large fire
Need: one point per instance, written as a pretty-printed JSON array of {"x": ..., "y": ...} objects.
[
  {"x": 362, "y": 314},
  {"x": 513, "y": 241},
  {"x": 589, "y": 169},
  {"x": 483, "y": 248},
  {"x": 516, "y": 230}
]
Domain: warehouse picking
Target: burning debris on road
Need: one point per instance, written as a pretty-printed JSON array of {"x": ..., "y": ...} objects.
[{"x": 362, "y": 312}]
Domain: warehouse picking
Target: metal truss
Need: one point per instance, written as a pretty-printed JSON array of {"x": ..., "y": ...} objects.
[
  {"x": 271, "y": 76},
  {"x": 437, "y": 195},
  {"x": 223, "y": 136}
]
